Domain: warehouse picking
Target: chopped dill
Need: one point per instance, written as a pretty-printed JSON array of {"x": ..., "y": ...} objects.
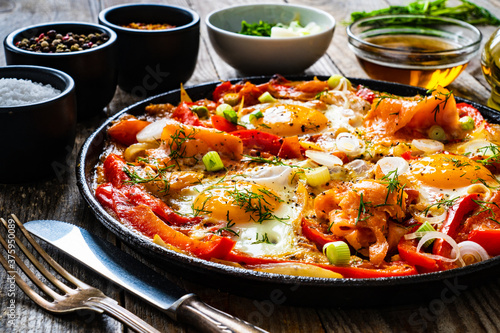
[{"x": 484, "y": 209}]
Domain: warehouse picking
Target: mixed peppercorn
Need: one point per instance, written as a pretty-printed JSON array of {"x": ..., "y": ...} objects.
[{"x": 54, "y": 42}]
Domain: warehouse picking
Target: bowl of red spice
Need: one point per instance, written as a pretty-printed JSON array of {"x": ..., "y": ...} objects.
[
  {"x": 85, "y": 51},
  {"x": 158, "y": 45}
]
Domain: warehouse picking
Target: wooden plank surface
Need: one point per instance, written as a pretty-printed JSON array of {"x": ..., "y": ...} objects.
[{"x": 464, "y": 310}]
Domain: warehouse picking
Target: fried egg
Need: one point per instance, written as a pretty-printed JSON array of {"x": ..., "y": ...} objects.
[
  {"x": 261, "y": 207},
  {"x": 443, "y": 176},
  {"x": 285, "y": 118}
]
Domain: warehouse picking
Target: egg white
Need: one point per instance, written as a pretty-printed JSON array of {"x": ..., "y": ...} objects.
[{"x": 253, "y": 236}]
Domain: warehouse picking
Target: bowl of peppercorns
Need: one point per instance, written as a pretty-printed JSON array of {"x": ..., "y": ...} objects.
[{"x": 85, "y": 51}]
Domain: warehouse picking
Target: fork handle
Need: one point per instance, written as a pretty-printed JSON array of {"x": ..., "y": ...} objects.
[
  {"x": 111, "y": 307},
  {"x": 191, "y": 310}
]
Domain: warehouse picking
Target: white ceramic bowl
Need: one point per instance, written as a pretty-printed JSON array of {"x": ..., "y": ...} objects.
[{"x": 256, "y": 55}]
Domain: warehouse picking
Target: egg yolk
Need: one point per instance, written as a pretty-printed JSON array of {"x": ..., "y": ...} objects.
[
  {"x": 290, "y": 119},
  {"x": 450, "y": 171},
  {"x": 237, "y": 202}
]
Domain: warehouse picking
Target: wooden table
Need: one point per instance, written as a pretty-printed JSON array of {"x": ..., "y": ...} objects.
[{"x": 470, "y": 310}]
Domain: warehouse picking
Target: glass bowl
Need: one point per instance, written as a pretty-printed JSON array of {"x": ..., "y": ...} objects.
[{"x": 417, "y": 50}]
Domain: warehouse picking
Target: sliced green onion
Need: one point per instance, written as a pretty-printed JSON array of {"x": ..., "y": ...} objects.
[
  {"x": 338, "y": 253},
  {"x": 334, "y": 80},
  {"x": 425, "y": 227},
  {"x": 255, "y": 115},
  {"x": 266, "y": 98},
  {"x": 212, "y": 161},
  {"x": 200, "y": 110},
  {"x": 467, "y": 123},
  {"x": 227, "y": 112},
  {"x": 436, "y": 132},
  {"x": 318, "y": 176}
]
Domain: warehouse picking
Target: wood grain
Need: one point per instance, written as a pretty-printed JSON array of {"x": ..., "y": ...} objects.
[{"x": 471, "y": 310}]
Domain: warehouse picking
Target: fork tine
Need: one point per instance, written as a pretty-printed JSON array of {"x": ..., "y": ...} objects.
[
  {"x": 58, "y": 268},
  {"x": 36, "y": 262},
  {"x": 25, "y": 269},
  {"x": 20, "y": 282}
]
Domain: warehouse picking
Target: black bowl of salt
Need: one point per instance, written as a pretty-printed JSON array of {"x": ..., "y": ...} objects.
[{"x": 37, "y": 122}]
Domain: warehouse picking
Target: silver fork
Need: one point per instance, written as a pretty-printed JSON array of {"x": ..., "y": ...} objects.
[{"x": 83, "y": 297}]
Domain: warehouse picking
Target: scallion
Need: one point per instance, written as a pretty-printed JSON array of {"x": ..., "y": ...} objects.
[
  {"x": 200, "y": 110},
  {"x": 266, "y": 98},
  {"x": 426, "y": 227},
  {"x": 318, "y": 176},
  {"x": 466, "y": 123},
  {"x": 338, "y": 253},
  {"x": 255, "y": 116},
  {"x": 227, "y": 112},
  {"x": 334, "y": 80},
  {"x": 213, "y": 161},
  {"x": 436, "y": 132}
]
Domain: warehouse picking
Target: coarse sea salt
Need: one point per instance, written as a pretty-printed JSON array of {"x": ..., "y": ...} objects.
[{"x": 15, "y": 92}]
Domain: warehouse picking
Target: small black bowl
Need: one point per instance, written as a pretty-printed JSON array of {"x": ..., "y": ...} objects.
[
  {"x": 36, "y": 138},
  {"x": 94, "y": 70},
  {"x": 154, "y": 61}
]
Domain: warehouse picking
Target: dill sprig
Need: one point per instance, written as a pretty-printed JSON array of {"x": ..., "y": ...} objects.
[
  {"x": 441, "y": 203},
  {"x": 256, "y": 203},
  {"x": 391, "y": 179},
  {"x": 493, "y": 158},
  {"x": 443, "y": 98},
  {"x": 177, "y": 147},
  {"x": 135, "y": 178},
  {"x": 484, "y": 209},
  {"x": 202, "y": 210},
  {"x": 228, "y": 227},
  {"x": 264, "y": 239},
  {"x": 363, "y": 209},
  {"x": 274, "y": 161},
  {"x": 456, "y": 162}
]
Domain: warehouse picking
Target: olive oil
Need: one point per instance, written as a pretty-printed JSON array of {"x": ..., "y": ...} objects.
[
  {"x": 490, "y": 64},
  {"x": 412, "y": 59}
]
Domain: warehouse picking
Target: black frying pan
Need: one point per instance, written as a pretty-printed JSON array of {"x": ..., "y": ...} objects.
[{"x": 279, "y": 289}]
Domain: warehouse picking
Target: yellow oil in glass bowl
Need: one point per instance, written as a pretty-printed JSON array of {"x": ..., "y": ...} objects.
[
  {"x": 418, "y": 50},
  {"x": 428, "y": 76}
]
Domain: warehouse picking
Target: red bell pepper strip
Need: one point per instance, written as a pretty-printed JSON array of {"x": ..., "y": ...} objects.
[
  {"x": 245, "y": 259},
  {"x": 262, "y": 141},
  {"x": 407, "y": 249},
  {"x": 456, "y": 215},
  {"x": 250, "y": 93},
  {"x": 397, "y": 268},
  {"x": 489, "y": 239},
  {"x": 125, "y": 131},
  {"x": 314, "y": 235},
  {"x": 143, "y": 219},
  {"x": 183, "y": 114},
  {"x": 290, "y": 148},
  {"x": 221, "y": 90},
  {"x": 392, "y": 269},
  {"x": 222, "y": 124},
  {"x": 366, "y": 94},
  {"x": 113, "y": 170},
  {"x": 407, "y": 155},
  {"x": 468, "y": 110},
  {"x": 160, "y": 208}
]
